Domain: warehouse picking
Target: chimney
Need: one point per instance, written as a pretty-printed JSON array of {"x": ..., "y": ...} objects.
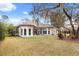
[{"x": 35, "y": 22}]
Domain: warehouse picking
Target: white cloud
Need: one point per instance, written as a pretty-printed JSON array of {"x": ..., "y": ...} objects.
[
  {"x": 7, "y": 7},
  {"x": 25, "y": 13},
  {"x": 14, "y": 21}
]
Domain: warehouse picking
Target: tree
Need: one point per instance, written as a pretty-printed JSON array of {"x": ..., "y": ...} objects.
[
  {"x": 11, "y": 29},
  {"x": 2, "y": 26},
  {"x": 70, "y": 18},
  {"x": 55, "y": 19},
  {"x": 2, "y": 31},
  {"x": 77, "y": 21},
  {"x": 45, "y": 11},
  {"x": 4, "y": 18}
]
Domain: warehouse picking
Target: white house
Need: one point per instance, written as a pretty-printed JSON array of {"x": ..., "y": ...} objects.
[{"x": 30, "y": 28}]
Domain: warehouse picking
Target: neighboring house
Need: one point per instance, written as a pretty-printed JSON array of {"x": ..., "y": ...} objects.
[{"x": 30, "y": 28}]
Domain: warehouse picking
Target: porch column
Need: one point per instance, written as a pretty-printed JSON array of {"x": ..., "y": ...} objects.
[
  {"x": 27, "y": 31},
  {"x": 42, "y": 31},
  {"x": 37, "y": 31},
  {"x": 32, "y": 32},
  {"x": 22, "y": 31},
  {"x": 19, "y": 31}
]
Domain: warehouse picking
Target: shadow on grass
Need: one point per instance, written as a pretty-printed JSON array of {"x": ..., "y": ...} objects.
[{"x": 1, "y": 41}]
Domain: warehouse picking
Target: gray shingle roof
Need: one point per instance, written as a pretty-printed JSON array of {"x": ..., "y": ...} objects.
[{"x": 34, "y": 23}]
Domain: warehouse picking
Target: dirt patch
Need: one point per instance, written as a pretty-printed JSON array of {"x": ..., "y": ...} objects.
[{"x": 72, "y": 40}]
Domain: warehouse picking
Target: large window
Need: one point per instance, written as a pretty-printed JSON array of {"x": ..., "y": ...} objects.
[
  {"x": 24, "y": 31},
  {"x": 29, "y": 31},
  {"x": 44, "y": 31},
  {"x": 40, "y": 32},
  {"x": 48, "y": 32}
]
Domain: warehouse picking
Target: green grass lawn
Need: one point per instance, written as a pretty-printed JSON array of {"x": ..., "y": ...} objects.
[{"x": 37, "y": 45}]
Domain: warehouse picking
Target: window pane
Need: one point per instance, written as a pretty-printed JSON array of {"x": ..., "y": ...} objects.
[
  {"x": 29, "y": 31},
  {"x": 24, "y": 31},
  {"x": 44, "y": 32}
]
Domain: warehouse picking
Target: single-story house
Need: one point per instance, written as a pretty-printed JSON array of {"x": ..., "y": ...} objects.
[{"x": 30, "y": 28}]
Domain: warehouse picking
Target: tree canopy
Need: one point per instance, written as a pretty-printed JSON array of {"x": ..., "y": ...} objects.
[{"x": 58, "y": 13}]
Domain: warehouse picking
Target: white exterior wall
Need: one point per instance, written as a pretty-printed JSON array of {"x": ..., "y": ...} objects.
[
  {"x": 31, "y": 31},
  {"x": 19, "y": 31},
  {"x": 53, "y": 31},
  {"x": 27, "y": 31}
]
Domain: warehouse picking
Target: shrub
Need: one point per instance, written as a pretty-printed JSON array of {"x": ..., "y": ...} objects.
[
  {"x": 10, "y": 30},
  {"x": 60, "y": 35},
  {"x": 71, "y": 36},
  {"x": 2, "y": 32}
]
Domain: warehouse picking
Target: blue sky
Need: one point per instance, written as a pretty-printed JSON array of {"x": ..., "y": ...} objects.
[{"x": 16, "y": 11}]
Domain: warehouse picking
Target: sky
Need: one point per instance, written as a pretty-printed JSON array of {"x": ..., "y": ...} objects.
[{"x": 16, "y": 11}]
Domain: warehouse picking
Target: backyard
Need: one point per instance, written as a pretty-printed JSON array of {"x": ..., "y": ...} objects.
[{"x": 38, "y": 46}]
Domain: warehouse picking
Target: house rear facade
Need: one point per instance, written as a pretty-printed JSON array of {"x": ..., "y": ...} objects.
[{"x": 30, "y": 28}]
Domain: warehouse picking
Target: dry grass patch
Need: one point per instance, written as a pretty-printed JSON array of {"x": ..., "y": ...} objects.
[{"x": 37, "y": 45}]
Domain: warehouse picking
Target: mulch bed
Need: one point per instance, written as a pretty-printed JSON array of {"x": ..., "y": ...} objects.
[{"x": 72, "y": 40}]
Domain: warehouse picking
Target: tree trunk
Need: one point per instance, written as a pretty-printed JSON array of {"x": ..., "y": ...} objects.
[
  {"x": 77, "y": 32},
  {"x": 70, "y": 19}
]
